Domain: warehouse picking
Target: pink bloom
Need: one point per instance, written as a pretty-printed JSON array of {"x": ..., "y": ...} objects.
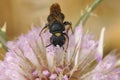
[{"x": 28, "y": 58}]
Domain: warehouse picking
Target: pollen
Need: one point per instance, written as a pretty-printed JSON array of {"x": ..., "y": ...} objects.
[{"x": 57, "y": 34}]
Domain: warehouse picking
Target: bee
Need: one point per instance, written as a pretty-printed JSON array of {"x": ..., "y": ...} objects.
[{"x": 56, "y": 26}]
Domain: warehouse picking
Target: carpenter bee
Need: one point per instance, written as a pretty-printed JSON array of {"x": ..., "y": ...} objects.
[{"x": 56, "y": 26}]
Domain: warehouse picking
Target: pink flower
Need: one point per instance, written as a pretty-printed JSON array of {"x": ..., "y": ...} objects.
[{"x": 28, "y": 58}]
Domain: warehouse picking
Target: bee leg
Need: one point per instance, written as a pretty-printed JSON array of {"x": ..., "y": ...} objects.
[
  {"x": 67, "y": 38},
  {"x": 70, "y": 26},
  {"x": 46, "y": 26},
  {"x": 48, "y": 45},
  {"x": 42, "y": 30}
]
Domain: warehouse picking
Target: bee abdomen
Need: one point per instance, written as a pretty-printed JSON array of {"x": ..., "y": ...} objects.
[{"x": 55, "y": 9}]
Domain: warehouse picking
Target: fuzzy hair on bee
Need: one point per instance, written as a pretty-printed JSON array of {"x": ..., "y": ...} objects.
[
  {"x": 55, "y": 8},
  {"x": 55, "y": 13}
]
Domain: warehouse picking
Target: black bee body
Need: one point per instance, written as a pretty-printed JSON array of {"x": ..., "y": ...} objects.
[
  {"x": 57, "y": 37},
  {"x": 56, "y": 26},
  {"x": 60, "y": 40}
]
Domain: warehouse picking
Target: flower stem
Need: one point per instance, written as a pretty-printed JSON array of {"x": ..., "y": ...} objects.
[
  {"x": 3, "y": 37},
  {"x": 87, "y": 13}
]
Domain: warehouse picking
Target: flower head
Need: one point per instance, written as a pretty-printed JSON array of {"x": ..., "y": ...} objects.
[{"x": 28, "y": 58}]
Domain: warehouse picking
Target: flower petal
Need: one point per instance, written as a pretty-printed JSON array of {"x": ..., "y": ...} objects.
[{"x": 99, "y": 53}]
